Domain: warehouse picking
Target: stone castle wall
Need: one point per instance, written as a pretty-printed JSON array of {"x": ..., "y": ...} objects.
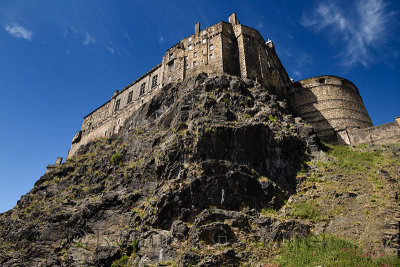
[
  {"x": 389, "y": 132},
  {"x": 330, "y": 104},
  {"x": 225, "y": 47}
]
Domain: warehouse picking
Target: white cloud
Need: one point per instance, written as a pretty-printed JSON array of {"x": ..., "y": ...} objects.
[
  {"x": 89, "y": 39},
  {"x": 18, "y": 31},
  {"x": 362, "y": 29},
  {"x": 160, "y": 40},
  {"x": 110, "y": 49}
]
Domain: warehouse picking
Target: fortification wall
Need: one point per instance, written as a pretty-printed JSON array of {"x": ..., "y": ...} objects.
[
  {"x": 221, "y": 48},
  {"x": 113, "y": 123},
  {"x": 258, "y": 59},
  {"x": 330, "y": 104},
  {"x": 108, "y": 118},
  {"x": 385, "y": 133}
]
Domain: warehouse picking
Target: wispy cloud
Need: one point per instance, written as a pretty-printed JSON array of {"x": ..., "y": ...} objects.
[
  {"x": 19, "y": 31},
  {"x": 161, "y": 40},
  {"x": 89, "y": 39},
  {"x": 110, "y": 49},
  {"x": 362, "y": 30}
]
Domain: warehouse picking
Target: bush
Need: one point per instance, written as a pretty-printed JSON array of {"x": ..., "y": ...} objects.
[
  {"x": 116, "y": 159},
  {"x": 122, "y": 262},
  {"x": 135, "y": 246}
]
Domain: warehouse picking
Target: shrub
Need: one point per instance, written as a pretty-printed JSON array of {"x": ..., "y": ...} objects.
[
  {"x": 135, "y": 246},
  {"x": 272, "y": 118},
  {"x": 116, "y": 159},
  {"x": 121, "y": 262}
]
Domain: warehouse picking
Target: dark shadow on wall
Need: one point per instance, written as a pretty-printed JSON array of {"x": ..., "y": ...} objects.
[{"x": 302, "y": 102}]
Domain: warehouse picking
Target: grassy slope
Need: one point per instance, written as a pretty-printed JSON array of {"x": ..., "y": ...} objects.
[{"x": 351, "y": 195}]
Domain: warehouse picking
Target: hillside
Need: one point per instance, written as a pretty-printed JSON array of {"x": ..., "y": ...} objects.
[{"x": 211, "y": 172}]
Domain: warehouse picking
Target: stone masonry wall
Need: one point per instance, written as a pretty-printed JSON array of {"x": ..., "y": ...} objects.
[
  {"x": 221, "y": 48},
  {"x": 330, "y": 104},
  {"x": 389, "y": 132}
]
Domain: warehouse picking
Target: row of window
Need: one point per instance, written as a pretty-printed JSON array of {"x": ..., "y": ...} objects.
[
  {"x": 204, "y": 32},
  {"x": 187, "y": 66},
  {"x": 211, "y": 46},
  {"x": 154, "y": 83}
]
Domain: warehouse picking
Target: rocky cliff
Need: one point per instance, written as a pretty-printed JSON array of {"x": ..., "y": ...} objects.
[{"x": 211, "y": 172}]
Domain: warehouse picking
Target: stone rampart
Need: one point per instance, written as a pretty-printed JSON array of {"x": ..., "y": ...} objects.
[
  {"x": 330, "y": 104},
  {"x": 384, "y": 133}
]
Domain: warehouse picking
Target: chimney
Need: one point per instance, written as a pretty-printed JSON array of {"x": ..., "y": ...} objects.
[
  {"x": 59, "y": 161},
  {"x": 233, "y": 19},
  {"x": 197, "y": 28}
]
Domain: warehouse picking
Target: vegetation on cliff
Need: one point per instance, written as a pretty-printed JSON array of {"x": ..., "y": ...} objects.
[{"x": 211, "y": 172}]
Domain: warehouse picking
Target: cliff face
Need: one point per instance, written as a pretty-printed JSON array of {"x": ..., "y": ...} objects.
[{"x": 199, "y": 175}]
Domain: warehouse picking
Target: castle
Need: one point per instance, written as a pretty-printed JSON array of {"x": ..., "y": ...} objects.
[{"x": 331, "y": 104}]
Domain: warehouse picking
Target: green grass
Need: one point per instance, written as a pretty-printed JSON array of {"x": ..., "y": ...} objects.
[
  {"x": 326, "y": 250},
  {"x": 354, "y": 159},
  {"x": 269, "y": 212},
  {"x": 306, "y": 210}
]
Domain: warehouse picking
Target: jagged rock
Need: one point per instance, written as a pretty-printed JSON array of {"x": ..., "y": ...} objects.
[
  {"x": 104, "y": 256},
  {"x": 179, "y": 229},
  {"x": 202, "y": 161}
]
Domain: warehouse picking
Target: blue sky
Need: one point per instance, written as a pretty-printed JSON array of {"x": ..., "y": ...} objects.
[{"x": 59, "y": 60}]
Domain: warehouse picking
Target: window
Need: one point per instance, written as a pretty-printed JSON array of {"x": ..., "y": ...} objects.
[
  {"x": 211, "y": 56},
  {"x": 204, "y": 32},
  {"x": 195, "y": 54},
  {"x": 130, "y": 97},
  {"x": 212, "y": 29},
  {"x": 211, "y": 47},
  {"x": 117, "y": 104},
  {"x": 204, "y": 41},
  {"x": 190, "y": 47},
  {"x": 169, "y": 78},
  {"x": 171, "y": 65},
  {"x": 194, "y": 63},
  {"x": 171, "y": 55},
  {"x": 142, "y": 87},
  {"x": 186, "y": 58},
  {"x": 154, "y": 81},
  {"x": 190, "y": 39},
  {"x": 187, "y": 66}
]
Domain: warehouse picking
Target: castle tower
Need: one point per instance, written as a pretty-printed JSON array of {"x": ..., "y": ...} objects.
[{"x": 332, "y": 105}]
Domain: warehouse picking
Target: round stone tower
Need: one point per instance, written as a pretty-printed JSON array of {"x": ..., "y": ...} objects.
[{"x": 331, "y": 105}]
